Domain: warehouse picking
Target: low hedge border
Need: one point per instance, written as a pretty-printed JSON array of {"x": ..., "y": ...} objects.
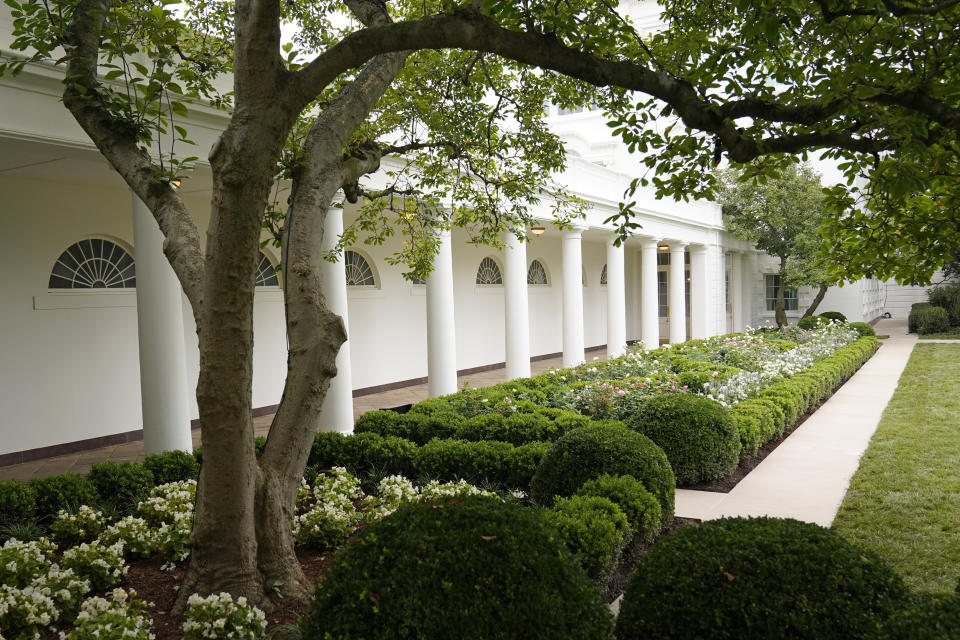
[{"x": 779, "y": 406}]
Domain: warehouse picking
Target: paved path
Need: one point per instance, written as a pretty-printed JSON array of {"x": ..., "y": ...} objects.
[{"x": 807, "y": 476}]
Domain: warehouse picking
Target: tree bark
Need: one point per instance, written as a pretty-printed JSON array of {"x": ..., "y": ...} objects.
[
  {"x": 780, "y": 311},
  {"x": 816, "y": 301}
]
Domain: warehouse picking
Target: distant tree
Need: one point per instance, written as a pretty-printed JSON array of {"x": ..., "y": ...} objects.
[{"x": 782, "y": 216}]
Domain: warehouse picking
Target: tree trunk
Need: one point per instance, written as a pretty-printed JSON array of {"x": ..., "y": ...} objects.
[
  {"x": 781, "y": 313},
  {"x": 816, "y": 301}
]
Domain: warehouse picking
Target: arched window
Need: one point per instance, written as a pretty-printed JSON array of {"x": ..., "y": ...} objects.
[
  {"x": 603, "y": 275},
  {"x": 488, "y": 273},
  {"x": 537, "y": 274},
  {"x": 266, "y": 273},
  {"x": 359, "y": 272},
  {"x": 94, "y": 263}
]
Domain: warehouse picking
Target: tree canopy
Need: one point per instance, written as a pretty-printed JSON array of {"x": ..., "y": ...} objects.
[{"x": 781, "y": 216}]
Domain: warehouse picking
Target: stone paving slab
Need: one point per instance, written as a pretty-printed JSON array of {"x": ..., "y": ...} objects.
[{"x": 807, "y": 476}]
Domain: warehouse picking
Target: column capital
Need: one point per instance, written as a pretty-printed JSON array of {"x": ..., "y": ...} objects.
[
  {"x": 574, "y": 231},
  {"x": 648, "y": 241},
  {"x": 697, "y": 248},
  {"x": 677, "y": 245}
]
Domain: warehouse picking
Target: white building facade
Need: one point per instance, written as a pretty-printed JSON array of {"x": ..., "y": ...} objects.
[{"x": 99, "y": 345}]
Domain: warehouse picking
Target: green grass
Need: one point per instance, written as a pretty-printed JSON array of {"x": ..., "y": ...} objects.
[
  {"x": 904, "y": 501},
  {"x": 953, "y": 333}
]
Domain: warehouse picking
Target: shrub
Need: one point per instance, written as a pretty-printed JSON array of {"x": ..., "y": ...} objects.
[
  {"x": 368, "y": 453},
  {"x": 697, "y": 434},
  {"x": 932, "y": 320},
  {"x": 863, "y": 328},
  {"x": 172, "y": 466},
  {"x": 639, "y": 505},
  {"x": 218, "y": 616},
  {"x": 594, "y": 529},
  {"x": 122, "y": 483},
  {"x": 475, "y": 462},
  {"x": 809, "y": 322},
  {"x": 63, "y": 492},
  {"x": 327, "y": 450},
  {"x": 948, "y": 297},
  {"x": 757, "y": 578},
  {"x": 416, "y": 427},
  {"x": 833, "y": 315},
  {"x": 604, "y": 448},
  {"x": 472, "y": 568},
  {"x": 17, "y": 502}
]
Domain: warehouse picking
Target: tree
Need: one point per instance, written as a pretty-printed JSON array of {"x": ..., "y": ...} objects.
[
  {"x": 873, "y": 83},
  {"x": 782, "y": 216}
]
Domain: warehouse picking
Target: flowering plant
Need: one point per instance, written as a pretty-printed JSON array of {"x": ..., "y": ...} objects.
[
  {"x": 103, "y": 566},
  {"x": 167, "y": 501},
  {"x": 219, "y": 616},
  {"x": 24, "y": 613},
  {"x": 70, "y": 529},
  {"x": 65, "y": 588},
  {"x": 138, "y": 538},
  {"x": 391, "y": 493},
  {"x": 20, "y": 562},
  {"x": 435, "y": 490},
  {"x": 122, "y": 616}
]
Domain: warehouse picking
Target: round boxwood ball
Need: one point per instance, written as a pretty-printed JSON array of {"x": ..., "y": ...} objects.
[
  {"x": 604, "y": 448},
  {"x": 471, "y": 568},
  {"x": 697, "y": 434},
  {"x": 757, "y": 578}
]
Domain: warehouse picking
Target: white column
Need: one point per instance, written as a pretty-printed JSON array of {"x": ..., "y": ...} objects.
[
  {"x": 515, "y": 307},
  {"x": 676, "y": 293},
  {"x": 441, "y": 336},
  {"x": 698, "y": 292},
  {"x": 649, "y": 298},
  {"x": 163, "y": 359},
  {"x": 616, "y": 301},
  {"x": 736, "y": 291},
  {"x": 337, "y": 411},
  {"x": 573, "y": 350}
]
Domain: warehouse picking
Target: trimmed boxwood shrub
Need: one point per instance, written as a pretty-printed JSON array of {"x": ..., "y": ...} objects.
[
  {"x": 604, "y": 448},
  {"x": 697, "y": 434},
  {"x": 863, "y": 328},
  {"x": 123, "y": 484},
  {"x": 64, "y": 491},
  {"x": 17, "y": 502},
  {"x": 933, "y": 618},
  {"x": 172, "y": 466},
  {"x": 931, "y": 320},
  {"x": 833, "y": 315},
  {"x": 480, "y": 462},
  {"x": 471, "y": 568},
  {"x": 809, "y": 322},
  {"x": 639, "y": 505},
  {"x": 757, "y": 578},
  {"x": 416, "y": 427},
  {"x": 594, "y": 529}
]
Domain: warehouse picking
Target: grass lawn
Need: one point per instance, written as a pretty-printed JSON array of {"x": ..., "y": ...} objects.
[
  {"x": 953, "y": 333},
  {"x": 904, "y": 501}
]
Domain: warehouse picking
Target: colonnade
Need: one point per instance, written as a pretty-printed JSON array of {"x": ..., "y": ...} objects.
[{"x": 161, "y": 334}]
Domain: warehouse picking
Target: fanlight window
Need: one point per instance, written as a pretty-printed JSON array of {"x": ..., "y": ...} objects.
[
  {"x": 359, "y": 273},
  {"x": 603, "y": 275},
  {"x": 94, "y": 263},
  {"x": 536, "y": 274},
  {"x": 266, "y": 273},
  {"x": 489, "y": 272}
]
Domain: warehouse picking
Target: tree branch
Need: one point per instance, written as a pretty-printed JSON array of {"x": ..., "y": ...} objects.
[{"x": 116, "y": 140}]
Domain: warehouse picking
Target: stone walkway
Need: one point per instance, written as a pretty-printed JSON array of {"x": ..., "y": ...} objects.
[
  {"x": 81, "y": 462},
  {"x": 807, "y": 476}
]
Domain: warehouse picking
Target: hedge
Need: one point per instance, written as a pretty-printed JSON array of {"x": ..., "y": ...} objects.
[
  {"x": 776, "y": 409},
  {"x": 930, "y": 320},
  {"x": 471, "y": 568},
  {"x": 758, "y": 578},
  {"x": 697, "y": 434},
  {"x": 948, "y": 297},
  {"x": 594, "y": 529}
]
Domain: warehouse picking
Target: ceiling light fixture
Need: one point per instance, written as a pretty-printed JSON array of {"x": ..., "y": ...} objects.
[{"x": 538, "y": 230}]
